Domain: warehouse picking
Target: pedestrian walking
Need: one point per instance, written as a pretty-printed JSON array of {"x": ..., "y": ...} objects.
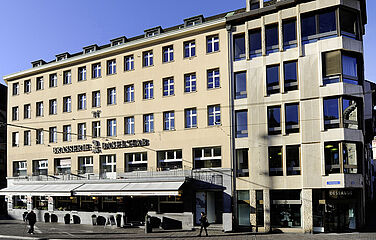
[
  {"x": 32, "y": 219},
  {"x": 204, "y": 223}
]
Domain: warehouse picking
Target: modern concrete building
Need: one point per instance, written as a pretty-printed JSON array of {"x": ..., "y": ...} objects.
[
  {"x": 138, "y": 126},
  {"x": 255, "y": 116},
  {"x": 299, "y": 113}
]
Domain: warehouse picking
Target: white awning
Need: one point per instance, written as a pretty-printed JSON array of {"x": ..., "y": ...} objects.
[
  {"x": 40, "y": 189},
  {"x": 130, "y": 189}
]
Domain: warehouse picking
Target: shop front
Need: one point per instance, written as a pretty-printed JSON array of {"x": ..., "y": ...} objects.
[{"x": 336, "y": 210}]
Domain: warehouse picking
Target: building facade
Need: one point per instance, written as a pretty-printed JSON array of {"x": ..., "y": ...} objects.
[
  {"x": 299, "y": 113},
  {"x": 138, "y": 126},
  {"x": 256, "y": 117},
  {"x": 3, "y": 145}
]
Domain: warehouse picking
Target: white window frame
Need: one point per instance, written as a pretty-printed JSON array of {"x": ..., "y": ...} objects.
[
  {"x": 214, "y": 39},
  {"x": 190, "y": 45},
  {"x": 148, "y": 90},
  {"x": 39, "y": 136},
  {"x": 40, "y": 83},
  {"x": 16, "y": 89},
  {"x": 96, "y": 70},
  {"x": 96, "y": 128},
  {"x": 148, "y": 123},
  {"x": 53, "y": 107},
  {"x": 129, "y": 125},
  {"x": 96, "y": 101},
  {"x": 111, "y": 127},
  {"x": 214, "y": 114},
  {"x": 27, "y": 86},
  {"x": 129, "y": 93},
  {"x": 168, "y": 119},
  {"x": 111, "y": 67},
  {"x": 192, "y": 80},
  {"x": 15, "y": 113},
  {"x": 111, "y": 96},
  {"x": 189, "y": 112},
  {"x": 67, "y": 104},
  {"x": 169, "y": 82},
  {"x": 67, "y": 77},
  {"x": 27, "y": 138},
  {"x": 53, "y": 80},
  {"x": 27, "y": 111},
  {"x": 39, "y": 107},
  {"x": 15, "y": 139},
  {"x": 82, "y": 101},
  {"x": 170, "y": 50},
  {"x": 67, "y": 133},
  {"x": 81, "y": 129},
  {"x": 147, "y": 59},
  {"x": 82, "y": 73},
  {"x": 211, "y": 81},
  {"x": 129, "y": 63},
  {"x": 52, "y": 135}
]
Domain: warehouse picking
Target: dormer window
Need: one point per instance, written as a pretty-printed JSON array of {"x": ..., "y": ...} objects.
[
  {"x": 90, "y": 49},
  {"x": 37, "y": 63},
  {"x": 118, "y": 41},
  {"x": 269, "y": 2},
  {"x": 62, "y": 56},
  {"x": 254, "y": 4},
  {"x": 153, "y": 31},
  {"x": 193, "y": 21}
]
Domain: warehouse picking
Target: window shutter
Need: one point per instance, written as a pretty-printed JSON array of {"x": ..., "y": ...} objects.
[{"x": 332, "y": 63}]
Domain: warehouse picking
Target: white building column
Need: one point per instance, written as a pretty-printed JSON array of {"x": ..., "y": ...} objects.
[
  {"x": 267, "y": 210},
  {"x": 307, "y": 210}
]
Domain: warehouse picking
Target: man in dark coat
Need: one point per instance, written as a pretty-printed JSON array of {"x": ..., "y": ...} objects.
[
  {"x": 32, "y": 219},
  {"x": 204, "y": 223}
]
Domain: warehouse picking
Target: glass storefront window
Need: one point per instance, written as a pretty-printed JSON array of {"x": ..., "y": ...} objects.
[
  {"x": 243, "y": 208},
  {"x": 285, "y": 209},
  {"x": 19, "y": 202}
]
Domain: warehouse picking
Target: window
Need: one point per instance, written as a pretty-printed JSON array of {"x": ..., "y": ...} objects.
[
  {"x": 81, "y": 101},
  {"x": 15, "y": 139},
  {"x": 129, "y": 63},
  {"x": 147, "y": 59},
  {"x": 271, "y": 38},
  {"x": 81, "y": 73},
  {"x": 275, "y": 161},
  {"x": 40, "y": 167},
  {"x": 14, "y": 113},
  {"x": 290, "y": 76},
  {"x": 96, "y": 129},
  {"x": 168, "y": 86},
  {"x": 169, "y": 120},
  {"x": 107, "y": 164},
  {"x": 254, "y": 4},
  {"x": 242, "y": 163},
  {"x": 292, "y": 117},
  {"x": 190, "y": 82},
  {"x": 208, "y": 157},
  {"x": 241, "y": 119},
  {"x": 272, "y": 79},
  {"x": 346, "y": 116},
  {"x": 341, "y": 66},
  {"x": 111, "y": 67},
  {"x": 40, "y": 83},
  {"x": 53, "y": 80},
  {"x": 52, "y": 135},
  {"x": 86, "y": 165},
  {"x": 20, "y": 169},
  {"x": 129, "y": 93},
  {"x": 274, "y": 120},
  {"x": 67, "y": 104},
  {"x": 289, "y": 34},
  {"x": 168, "y": 54},
  {"x": 293, "y": 160},
  {"x": 27, "y": 86},
  {"x": 255, "y": 47},
  {"x": 39, "y": 106},
  {"x": 318, "y": 26},
  {"x": 189, "y": 49},
  {"x": 39, "y": 136},
  {"x": 190, "y": 118},
  {"x": 111, "y": 96},
  {"x": 111, "y": 127},
  {"x": 67, "y": 133},
  {"x": 213, "y": 78},
  {"x": 239, "y": 47},
  {"x": 170, "y": 159},
  {"x": 240, "y": 85},
  {"x": 96, "y": 70},
  {"x": 27, "y": 138},
  {"x": 27, "y": 111},
  {"x": 148, "y": 123},
  {"x": 286, "y": 208},
  {"x": 349, "y": 23},
  {"x": 342, "y": 157},
  {"x": 52, "y": 106},
  {"x": 67, "y": 77},
  {"x": 62, "y": 165},
  {"x": 136, "y": 161},
  {"x": 96, "y": 99},
  {"x": 148, "y": 90},
  {"x": 16, "y": 89},
  {"x": 214, "y": 115},
  {"x": 212, "y": 44},
  {"x": 243, "y": 208},
  {"x": 129, "y": 125},
  {"x": 81, "y": 127}
]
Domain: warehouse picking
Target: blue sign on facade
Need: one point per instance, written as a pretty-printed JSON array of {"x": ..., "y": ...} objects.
[{"x": 333, "y": 182}]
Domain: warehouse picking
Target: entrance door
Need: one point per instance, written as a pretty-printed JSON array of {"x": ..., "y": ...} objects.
[{"x": 340, "y": 217}]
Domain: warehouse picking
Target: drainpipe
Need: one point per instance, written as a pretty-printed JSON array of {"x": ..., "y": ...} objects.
[{"x": 232, "y": 127}]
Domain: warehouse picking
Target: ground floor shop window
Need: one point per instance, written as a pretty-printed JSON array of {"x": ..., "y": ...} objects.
[
  {"x": 40, "y": 203},
  {"x": 171, "y": 204},
  {"x": 285, "y": 208},
  {"x": 19, "y": 202},
  {"x": 244, "y": 208},
  {"x": 108, "y": 166}
]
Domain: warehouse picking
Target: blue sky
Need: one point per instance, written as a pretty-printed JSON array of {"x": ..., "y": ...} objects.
[{"x": 40, "y": 29}]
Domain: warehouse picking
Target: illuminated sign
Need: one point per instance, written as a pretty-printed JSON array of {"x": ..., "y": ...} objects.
[{"x": 97, "y": 147}]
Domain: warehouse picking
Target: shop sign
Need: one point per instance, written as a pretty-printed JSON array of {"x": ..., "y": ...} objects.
[
  {"x": 333, "y": 182},
  {"x": 340, "y": 193},
  {"x": 97, "y": 147}
]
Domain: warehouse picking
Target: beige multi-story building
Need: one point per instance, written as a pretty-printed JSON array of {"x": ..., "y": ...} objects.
[
  {"x": 298, "y": 110},
  {"x": 255, "y": 117},
  {"x": 138, "y": 126}
]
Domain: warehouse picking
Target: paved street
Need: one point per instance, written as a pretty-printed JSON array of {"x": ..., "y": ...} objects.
[{"x": 11, "y": 229}]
